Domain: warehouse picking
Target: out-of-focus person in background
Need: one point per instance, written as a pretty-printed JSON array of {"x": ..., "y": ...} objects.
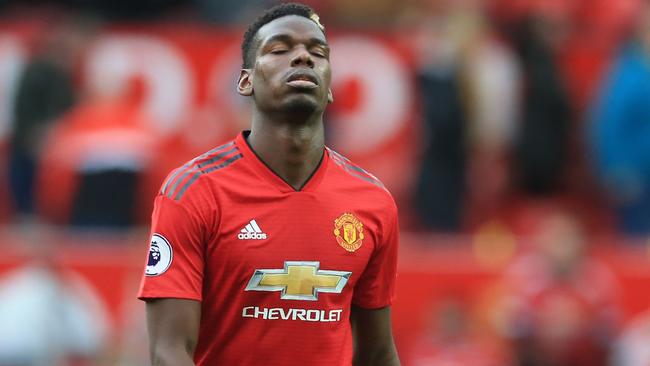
[
  {"x": 451, "y": 339},
  {"x": 468, "y": 82},
  {"x": 49, "y": 315},
  {"x": 491, "y": 87},
  {"x": 541, "y": 152},
  {"x": 46, "y": 89},
  {"x": 561, "y": 306},
  {"x": 439, "y": 196},
  {"x": 93, "y": 161},
  {"x": 620, "y": 132}
]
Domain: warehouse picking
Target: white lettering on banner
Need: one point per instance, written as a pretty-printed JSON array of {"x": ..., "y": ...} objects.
[
  {"x": 11, "y": 62},
  {"x": 384, "y": 102},
  {"x": 116, "y": 60},
  {"x": 311, "y": 315}
]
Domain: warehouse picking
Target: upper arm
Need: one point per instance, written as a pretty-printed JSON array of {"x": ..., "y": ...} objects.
[
  {"x": 375, "y": 287},
  {"x": 173, "y": 326},
  {"x": 173, "y": 279},
  {"x": 373, "y": 337},
  {"x": 175, "y": 262}
]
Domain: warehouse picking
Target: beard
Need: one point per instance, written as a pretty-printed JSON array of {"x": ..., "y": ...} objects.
[
  {"x": 300, "y": 105},
  {"x": 294, "y": 106}
]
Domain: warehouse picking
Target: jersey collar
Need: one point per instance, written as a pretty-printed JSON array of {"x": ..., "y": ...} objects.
[{"x": 268, "y": 174}]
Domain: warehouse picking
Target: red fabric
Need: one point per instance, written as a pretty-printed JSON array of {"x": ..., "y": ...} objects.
[{"x": 201, "y": 212}]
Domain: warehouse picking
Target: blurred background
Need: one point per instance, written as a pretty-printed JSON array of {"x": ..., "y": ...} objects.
[{"x": 514, "y": 135}]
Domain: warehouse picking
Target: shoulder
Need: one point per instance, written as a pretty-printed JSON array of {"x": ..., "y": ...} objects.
[
  {"x": 362, "y": 177},
  {"x": 353, "y": 169},
  {"x": 190, "y": 175}
]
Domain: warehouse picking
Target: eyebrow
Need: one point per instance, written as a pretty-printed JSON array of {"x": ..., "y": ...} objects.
[{"x": 288, "y": 39}]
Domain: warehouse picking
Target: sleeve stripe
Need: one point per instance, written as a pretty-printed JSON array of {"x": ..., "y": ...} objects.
[
  {"x": 354, "y": 170},
  {"x": 171, "y": 178},
  {"x": 178, "y": 181},
  {"x": 189, "y": 165},
  {"x": 198, "y": 173},
  {"x": 198, "y": 166},
  {"x": 217, "y": 157},
  {"x": 224, "y": 164},
  {"x": 348, "y": 163}
]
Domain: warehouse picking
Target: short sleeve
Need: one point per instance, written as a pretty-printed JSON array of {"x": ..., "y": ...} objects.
[
  {"x": 175, "y": 261},
  {"x": 376, "y": 287}
]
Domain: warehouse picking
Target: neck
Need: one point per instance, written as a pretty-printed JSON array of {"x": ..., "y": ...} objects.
[{"x": 292, "y": 150}]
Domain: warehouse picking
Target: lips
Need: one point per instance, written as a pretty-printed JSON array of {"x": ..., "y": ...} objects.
[{"x": 302, "y": 80}]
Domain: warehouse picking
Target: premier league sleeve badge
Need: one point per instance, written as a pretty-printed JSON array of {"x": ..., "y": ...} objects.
[{"x": 160, "y": 256}]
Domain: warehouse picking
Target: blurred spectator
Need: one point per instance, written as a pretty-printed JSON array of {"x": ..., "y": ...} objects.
[
  {"x": 491, "y": 81},
  {"x": 450, "y": 340},
  {"x": 440, "y": 192},
  {"x": 45, "y": 92},
  {"x": 90, "y": 171},
  {"x": 561, "y": 306},
  {"x": 49, "y": 315},
  {"x": 542, "y": 140},
  {"x": 469, "y": 83},
  {"x": 620, "y": 132}
]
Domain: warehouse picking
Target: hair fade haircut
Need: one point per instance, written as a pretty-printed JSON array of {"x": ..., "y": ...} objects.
[{"x": 250, "y": 42}]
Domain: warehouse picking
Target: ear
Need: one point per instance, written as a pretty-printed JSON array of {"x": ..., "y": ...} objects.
[
  {"x": 245, "y": 82},
  {"x": 330, "y": 97}
]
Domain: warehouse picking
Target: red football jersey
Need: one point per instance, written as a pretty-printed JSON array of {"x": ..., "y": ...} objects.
[{"x": 275, "y": 269}]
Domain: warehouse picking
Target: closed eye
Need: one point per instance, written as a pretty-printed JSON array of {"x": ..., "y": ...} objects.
[{"x": 320, "y": 51}]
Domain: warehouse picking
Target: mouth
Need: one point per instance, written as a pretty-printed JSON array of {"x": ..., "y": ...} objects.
[{"x": 302, "y": 80}]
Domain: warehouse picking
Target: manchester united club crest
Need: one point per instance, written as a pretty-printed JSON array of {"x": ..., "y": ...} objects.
[{"x": 349, "y": 232}]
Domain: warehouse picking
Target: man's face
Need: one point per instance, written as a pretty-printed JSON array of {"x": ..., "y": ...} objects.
[{"x": 292, "y": 69}]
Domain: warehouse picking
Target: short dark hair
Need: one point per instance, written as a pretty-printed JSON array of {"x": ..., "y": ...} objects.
[{"x": 250, "y": 43}]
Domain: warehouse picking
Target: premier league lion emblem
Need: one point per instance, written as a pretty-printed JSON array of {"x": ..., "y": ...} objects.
[
  {"x": 154, "y": 254},
  {"x": 160, "y": 256}
]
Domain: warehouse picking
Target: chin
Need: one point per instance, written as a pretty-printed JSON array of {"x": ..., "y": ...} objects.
[{"x": 301, "y": 106}]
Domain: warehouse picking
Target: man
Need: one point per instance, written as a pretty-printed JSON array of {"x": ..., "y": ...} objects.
[
  {"x": 619, "y": 132},
  {"x": 273, "y": 249}
]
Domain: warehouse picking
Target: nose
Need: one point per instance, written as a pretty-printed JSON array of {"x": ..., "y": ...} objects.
[{"x": 302, "y": 57}]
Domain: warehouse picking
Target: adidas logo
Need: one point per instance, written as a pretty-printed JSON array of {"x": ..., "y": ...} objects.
[{"x": 251, "y": 231}]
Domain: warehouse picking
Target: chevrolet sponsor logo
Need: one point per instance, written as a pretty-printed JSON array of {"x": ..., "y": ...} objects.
[
  {"x": 305, "y": 315},
  {"x": 299, "y": 280}
]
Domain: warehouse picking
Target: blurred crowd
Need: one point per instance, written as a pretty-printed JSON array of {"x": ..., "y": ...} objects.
[
  {"x": 530, "y": 111},
  {"x": 522, "y": 103},
  {"x": 544, "y": 103},
  {"x": 554, "y": 304}
]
